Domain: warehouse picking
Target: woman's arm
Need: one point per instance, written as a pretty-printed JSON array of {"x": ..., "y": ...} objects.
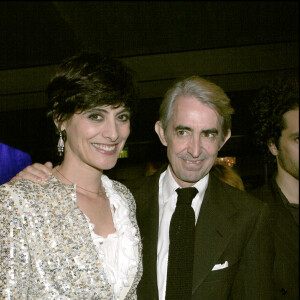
[{"x": 14, "y": 250}]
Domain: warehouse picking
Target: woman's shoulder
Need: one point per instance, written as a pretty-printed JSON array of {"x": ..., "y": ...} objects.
[
  {"x": 115, "y": 185},
  {"x": 121, "y": 187},
  {"x": 117, "y": 190},
  {"x": 26, "y": 186},
  {"x": 13, "y": 194},
  {"x": 29, "y": 191},
  {"x": 18, "y": 186}
]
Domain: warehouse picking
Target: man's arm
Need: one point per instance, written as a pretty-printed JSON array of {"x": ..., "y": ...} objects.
[
  {"x": 36, "y": 172},
  {"x": 254, "y": 276}
]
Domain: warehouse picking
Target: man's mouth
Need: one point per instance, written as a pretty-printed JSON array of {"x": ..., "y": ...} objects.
[{"x": 193, "y": 161}]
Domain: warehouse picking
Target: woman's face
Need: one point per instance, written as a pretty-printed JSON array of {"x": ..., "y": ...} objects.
[{"x": 96, "y": 137}]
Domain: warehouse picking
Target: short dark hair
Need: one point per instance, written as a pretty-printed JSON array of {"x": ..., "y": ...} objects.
[
  {"x": 88, "y": 80},
  {"x": 272, "y": 102}
]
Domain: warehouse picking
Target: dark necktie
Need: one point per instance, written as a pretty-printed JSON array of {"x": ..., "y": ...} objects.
[{"x": 181, "y": 249}]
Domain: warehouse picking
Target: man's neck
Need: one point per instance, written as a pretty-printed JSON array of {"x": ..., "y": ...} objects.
[{"x": 289, "y": 186}]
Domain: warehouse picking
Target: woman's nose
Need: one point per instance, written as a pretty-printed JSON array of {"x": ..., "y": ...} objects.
[{"x": 111, "y": 130}]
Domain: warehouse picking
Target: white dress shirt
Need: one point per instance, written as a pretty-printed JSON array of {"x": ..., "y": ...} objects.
[
  {"x": 167, "y": 205},
  {"x": 118, "y": 252}
]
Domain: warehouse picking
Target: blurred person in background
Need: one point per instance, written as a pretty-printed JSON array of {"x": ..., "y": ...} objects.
[
  {"x": 12, "y": 161},
  {"x": 276, "y": 128},
  {"x": 228, "y": 175}
]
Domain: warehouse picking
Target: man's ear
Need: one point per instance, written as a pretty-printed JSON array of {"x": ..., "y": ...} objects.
[
  {"x": 160, "y": 132},
  {"x": 273, "y": 149},
  {"x": 225, "y": 139}
]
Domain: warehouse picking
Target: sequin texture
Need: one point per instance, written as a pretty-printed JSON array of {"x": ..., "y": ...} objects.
[{"x": 46, "y": 247}]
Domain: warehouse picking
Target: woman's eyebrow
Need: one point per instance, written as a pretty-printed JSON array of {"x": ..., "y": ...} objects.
[{"x": 97, "y": 109}]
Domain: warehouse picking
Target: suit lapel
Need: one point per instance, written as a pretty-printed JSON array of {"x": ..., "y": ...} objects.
[
  {"x": 213, "y": 230},
  {"x": 148, "y": 215}
]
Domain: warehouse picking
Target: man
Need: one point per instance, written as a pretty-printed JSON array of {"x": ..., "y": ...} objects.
[
  {"x": 232, "y": 252},
  {"x": 276, "y": 112}
]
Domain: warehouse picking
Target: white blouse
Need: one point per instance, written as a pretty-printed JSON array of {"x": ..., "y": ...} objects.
[{"x": 118, "y": 251}]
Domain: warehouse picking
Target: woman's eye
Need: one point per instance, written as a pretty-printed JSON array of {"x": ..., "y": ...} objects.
[{"x": 95, "y": 117}]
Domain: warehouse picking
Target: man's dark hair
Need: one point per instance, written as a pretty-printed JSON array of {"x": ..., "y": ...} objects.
[{"x": 272, "y": 102}]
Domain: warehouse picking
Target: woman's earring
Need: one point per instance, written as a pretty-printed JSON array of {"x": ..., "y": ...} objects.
[{"x": 60, "y": 145}]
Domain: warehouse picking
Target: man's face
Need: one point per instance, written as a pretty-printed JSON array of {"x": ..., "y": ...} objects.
[
  {"x": 288, "y": 152},
  {"x": 193, "y": 139}
]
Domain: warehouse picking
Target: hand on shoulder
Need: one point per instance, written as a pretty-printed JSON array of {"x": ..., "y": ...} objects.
[{"x": 36, "y": 172}]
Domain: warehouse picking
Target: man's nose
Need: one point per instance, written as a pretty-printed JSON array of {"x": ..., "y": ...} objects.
[{"x": 195, "y": 146}]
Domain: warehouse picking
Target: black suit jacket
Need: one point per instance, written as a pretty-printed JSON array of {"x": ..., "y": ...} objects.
[
  {"x": 285, "y": 233},
  {"x": 232, "y": 226}
]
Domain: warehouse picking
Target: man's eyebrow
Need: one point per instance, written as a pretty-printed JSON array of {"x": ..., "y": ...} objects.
[
  {"x": 211, "y": 130},
  {"x": 205, "y": 131},
  {"x": 180, "y": 127}
]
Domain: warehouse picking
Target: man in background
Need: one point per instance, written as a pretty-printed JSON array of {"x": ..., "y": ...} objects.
[{"x": 276, "y": 128}]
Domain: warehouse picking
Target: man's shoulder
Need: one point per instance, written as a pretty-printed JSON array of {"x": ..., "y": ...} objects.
[
  {"x": 145, "y": 183},
  {"x": 141, "y": 183},
  {"x": 240, "y": 199}
]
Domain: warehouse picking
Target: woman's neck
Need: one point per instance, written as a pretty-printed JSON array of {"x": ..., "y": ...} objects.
[{"x": 85, "y": 177}]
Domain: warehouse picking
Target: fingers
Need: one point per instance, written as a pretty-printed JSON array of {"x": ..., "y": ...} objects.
[
  {"x": 36, "y": 172},
  {"x": 49, "y": 165}
]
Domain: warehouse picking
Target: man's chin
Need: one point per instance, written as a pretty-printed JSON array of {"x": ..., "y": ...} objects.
[{"x": 191, "y": 177}]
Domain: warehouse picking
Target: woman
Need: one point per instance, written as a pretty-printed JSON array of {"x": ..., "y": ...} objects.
[
  {"x": 228, "y": 175},
  {"x": 75, "y": 236}
]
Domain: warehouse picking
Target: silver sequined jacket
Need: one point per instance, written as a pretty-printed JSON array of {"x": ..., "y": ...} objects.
[{"x": 46, "y": 247}]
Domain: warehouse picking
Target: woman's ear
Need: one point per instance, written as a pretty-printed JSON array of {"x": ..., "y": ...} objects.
[
  {"x": 273, "y": 149},
  {"x": 160, "y": 132},
  {"x": 61, "y": 126}
]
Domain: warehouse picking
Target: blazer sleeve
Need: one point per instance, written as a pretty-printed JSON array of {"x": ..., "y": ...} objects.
[
  {"x": 14, "y": 251},
  {"x": 254, "y": 275}
]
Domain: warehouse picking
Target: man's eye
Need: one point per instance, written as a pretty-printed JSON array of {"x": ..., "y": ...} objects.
[
  {"x": 210, "y": 135},
  {"x": 124, "y": 117},
  {"x": 181, "y": 132}
]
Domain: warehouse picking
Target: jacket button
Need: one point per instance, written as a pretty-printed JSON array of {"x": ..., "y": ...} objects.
[{"x": 283, "y": 291}]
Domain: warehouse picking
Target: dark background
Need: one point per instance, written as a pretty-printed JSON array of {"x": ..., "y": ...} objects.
[{"x": 239, "y": 45}]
